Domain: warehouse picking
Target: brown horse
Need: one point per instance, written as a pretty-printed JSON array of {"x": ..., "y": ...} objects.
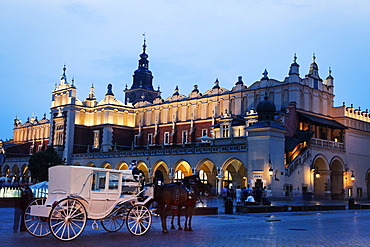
[{"x": 175, "y": 196}]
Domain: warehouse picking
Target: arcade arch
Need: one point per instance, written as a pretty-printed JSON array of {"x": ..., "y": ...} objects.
[
  {"x": 321, "y": 176},
  {"x": 235, "y": 173},
  {"x": 181, "y": 169},
  {"x": 121, "y": 166},
  {"x": 161, "y": 172},
  {"x": 337, "y": 178},
  {"x": 106, "y": 165}
]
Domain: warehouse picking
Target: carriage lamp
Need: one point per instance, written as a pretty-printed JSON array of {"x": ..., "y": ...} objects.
[
  {"x": 271, "y": 171},
  {"x": 353, "y": 177}
]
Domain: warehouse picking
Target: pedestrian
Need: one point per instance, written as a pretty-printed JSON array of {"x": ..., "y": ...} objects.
[
  {"x": 238, "y": 195},
  {"x": 258, "y": 193},
  {"x": 132, "y": 165},
  {"x": 19, "y": 210},
  {"x": 250, "y": 200},
  {"x": 232, "y": 192},
  {"x": 225, "y": 193}
]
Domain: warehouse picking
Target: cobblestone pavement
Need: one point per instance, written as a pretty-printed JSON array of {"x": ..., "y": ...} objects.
[{"x": 328, "y": 228}]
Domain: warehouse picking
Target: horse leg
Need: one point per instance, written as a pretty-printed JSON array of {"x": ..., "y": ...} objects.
[
  {"x": 191, "y": 211},
  {"x": 186, "y": 218},
  {"x": 164, "y": 218},
  {"x": 178, "y": 220},
  {"x": 189, "y": 216},
  {"x": 173, "y": 217}
]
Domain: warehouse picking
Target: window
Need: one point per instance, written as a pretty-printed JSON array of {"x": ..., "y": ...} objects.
[
  {"x": 315, "y": 84},
  {"x": 166, "y": 139},
  {"x": 184, "y": 137},
  {"x": 113, "y": 181},
  {"x": 96, "y": 138},
  {"x": 225, "y": 130},
  {"x": 204, "y": 132},
  {"x": 203, "y": 176},
  {"x": 350, "y": 191},
  {"x": 59, "y": 134},
  {"x": 178, "y": 176},
  {"x": 136, "y": 140},
  {"x": 98, "y": 182},
  {"x": 150, "y": 139}
]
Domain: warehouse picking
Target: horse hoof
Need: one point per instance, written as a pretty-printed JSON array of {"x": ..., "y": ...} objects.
[
  {"x": 165, "y": 231},
  {"x": 180, "y": 228},
  {"x": 173, "y": 227}
]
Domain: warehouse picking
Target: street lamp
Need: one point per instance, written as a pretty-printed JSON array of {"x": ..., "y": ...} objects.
[
  {"x": 353, "y": 177},
  {"x": 271, "y": 171},
  {"x": 317, "y": 173}
]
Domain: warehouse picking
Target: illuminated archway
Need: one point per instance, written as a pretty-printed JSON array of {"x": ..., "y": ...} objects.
[
  {"x": 160, "y": 172},
  {"x": 184, "y": 168},
  {"x": 336, "y": 178},
  {"x": 237, "y": 173},
  {"x": 121, "y": 166},
  {"x": 143, "y": 167},
  {"x": 321, "y": 176},
  {"x": 90, "y": 164},
  {"x": 106, "y": 165},
  {"x": 15, "y": 173}
]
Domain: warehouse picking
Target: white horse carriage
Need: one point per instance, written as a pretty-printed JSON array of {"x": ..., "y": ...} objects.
[{"x": 77, "y": 194}]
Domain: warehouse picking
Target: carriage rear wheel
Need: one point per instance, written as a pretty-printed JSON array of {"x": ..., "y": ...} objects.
[
  {"x": 139, "y": 220},
  {"x": 67, "y": 219},
  {"x": 36, "y": 225},
  {"x": 115, "y": 221}
]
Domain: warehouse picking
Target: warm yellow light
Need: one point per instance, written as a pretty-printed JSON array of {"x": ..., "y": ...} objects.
[
  {"x": 317, "y": 175},
  {"x": 271, "y": 171},
  {"x": 353, "y": 177}
]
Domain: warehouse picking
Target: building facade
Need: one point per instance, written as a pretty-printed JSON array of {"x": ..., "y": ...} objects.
[{"x": 284, "y": 135}]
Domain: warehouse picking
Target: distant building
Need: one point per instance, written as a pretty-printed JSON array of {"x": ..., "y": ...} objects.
[{"x": 285, "y": 135}]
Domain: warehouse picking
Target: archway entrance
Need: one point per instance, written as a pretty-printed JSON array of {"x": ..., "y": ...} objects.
[
  {"x": 321, "y": 179},
  {"x": 161, "y": 174},
  {"x": 336, "y": 177},
  {"x": 182, "y": 170},
  {"x": 235, "y": 174}
]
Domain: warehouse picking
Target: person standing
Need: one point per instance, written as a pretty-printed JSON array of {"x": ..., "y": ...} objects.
[
  {"x": 238, "y": 195},
  {"x": 19, "y": 210}
]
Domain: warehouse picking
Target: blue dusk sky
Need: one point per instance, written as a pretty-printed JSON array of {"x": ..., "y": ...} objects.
[{"x": 190, "y": 42}]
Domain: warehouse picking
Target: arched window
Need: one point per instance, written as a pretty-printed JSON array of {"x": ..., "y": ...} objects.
[
  {"x": 203, "y": 176},
  {"x": 178, "y": 176}
]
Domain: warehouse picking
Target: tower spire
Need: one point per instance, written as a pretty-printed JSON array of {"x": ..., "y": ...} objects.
[{"x": 144, "y": 45}]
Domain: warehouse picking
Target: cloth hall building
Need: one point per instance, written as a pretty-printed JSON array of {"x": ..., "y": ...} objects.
[{"x": 284, "y": 135}]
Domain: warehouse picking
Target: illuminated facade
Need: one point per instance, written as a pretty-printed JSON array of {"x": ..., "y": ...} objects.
[{"x": 298, "y": 143}]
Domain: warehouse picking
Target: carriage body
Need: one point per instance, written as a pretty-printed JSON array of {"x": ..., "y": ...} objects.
[{"x": 98, "y": 193}]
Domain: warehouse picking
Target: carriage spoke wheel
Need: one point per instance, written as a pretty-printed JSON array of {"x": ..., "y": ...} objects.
[
  {"x": 67, "y": 219},
  {"x": 114, "y": 222},
  {"x": 139, "y": 220},
  {"x": 36, "y": 225}
]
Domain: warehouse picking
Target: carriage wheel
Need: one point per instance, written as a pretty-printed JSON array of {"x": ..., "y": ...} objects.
[
  {"x": 36, "y": 225},
  {"x": 67, "y": 219},
  {"x": 139, "y": 220},
  {"x": 114, "y": 222}
]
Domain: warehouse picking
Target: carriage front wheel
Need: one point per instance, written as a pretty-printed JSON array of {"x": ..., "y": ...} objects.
[
  {"x": 67, "y": 219},
  {"x": 139, "y": 220},
  {"x": 115, "y": 221},
  {"x": 36, "y": 225}
]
